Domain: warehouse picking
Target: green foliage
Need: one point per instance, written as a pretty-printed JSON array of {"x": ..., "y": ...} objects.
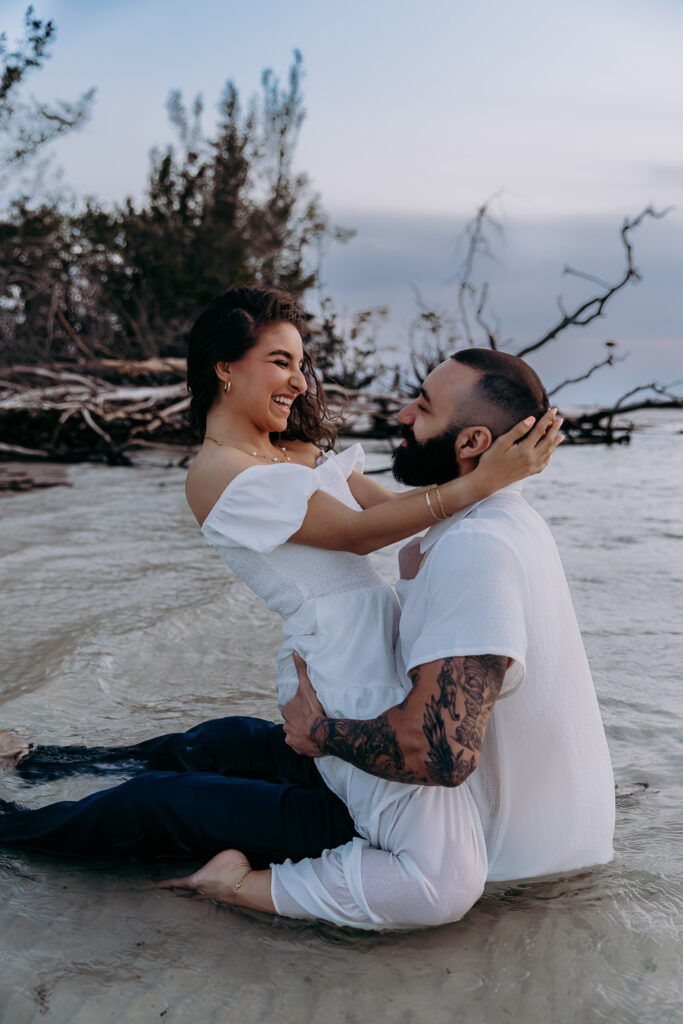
[
  {"x": 27, "y": 126},
  {"x": 40, "y": 287},
  {"x": 40, "y": 282},
  {"x": 219, "y": 210}
]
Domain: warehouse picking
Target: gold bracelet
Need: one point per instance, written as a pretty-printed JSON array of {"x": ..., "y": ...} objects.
[
  {"x": 238, "y": 885},
  {"x": 429, "y": 506},
  {"x": 444, "y": 514}
]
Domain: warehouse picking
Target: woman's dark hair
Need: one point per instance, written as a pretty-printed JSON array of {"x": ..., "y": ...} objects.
[
  {"x": 506, "y": 382},
  {"x": 225, "y": 331}
]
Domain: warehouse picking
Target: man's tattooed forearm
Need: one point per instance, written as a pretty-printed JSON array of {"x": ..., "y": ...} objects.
[
  {"x": 372, "y": 746},
  {"x": 453, "y": 723}
]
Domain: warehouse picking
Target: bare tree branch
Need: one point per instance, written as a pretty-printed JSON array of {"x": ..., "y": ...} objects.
[
  {"x": 571, "y": 272},
  {"x": 659, "y": 389},
  {"x": 477, "y": 245},
  {"x": 670, "y": 401},
  {"x": 590, "y": 310},
  {"x": 488, "y": 330},
  {"x": 611, "y": 359}
]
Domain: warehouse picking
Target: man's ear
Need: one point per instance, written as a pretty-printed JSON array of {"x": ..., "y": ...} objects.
[{"x": 472, "y": 442}]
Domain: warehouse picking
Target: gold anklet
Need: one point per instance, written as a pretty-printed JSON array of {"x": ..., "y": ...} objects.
[{"x": 238, "y": 885}]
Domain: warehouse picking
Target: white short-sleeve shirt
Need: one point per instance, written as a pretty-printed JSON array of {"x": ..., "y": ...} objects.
[{"x": 492, "y": 583}]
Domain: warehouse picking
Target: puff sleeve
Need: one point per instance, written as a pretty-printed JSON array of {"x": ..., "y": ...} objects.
[
  {"x": 351, "y": 460},
  {"x": 261, "y": 507}
]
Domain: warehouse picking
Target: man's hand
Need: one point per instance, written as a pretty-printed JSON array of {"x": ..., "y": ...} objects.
[{"x": 302, "y": 713}]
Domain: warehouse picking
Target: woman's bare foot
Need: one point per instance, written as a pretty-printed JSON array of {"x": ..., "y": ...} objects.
[
  {"x": 228, "y": 878},
  {"x": 216, "y": 880},
  {"x": 11, "y": 748}
]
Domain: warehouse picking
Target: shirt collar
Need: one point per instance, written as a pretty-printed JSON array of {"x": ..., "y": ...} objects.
[{"x": 437, "y": 531}]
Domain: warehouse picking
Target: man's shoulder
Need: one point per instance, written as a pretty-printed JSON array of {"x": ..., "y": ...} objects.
[
  {"x": 500, "y": 517},
  {"x": 506, "y": 515},
  {"x": 472, "y": 542},
  {"x": 503, "y": 528}
]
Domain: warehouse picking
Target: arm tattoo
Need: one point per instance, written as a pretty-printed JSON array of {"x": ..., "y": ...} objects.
[
  {"x": 440, "y": 762},
  {"x": 467, "y": 690},
  {"x": 372, "y": 745},
  {"x": 453, "y": 723}
]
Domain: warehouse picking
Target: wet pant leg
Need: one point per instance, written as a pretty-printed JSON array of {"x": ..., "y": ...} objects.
[
  {"x": 184, "y": 815},
  {"x": 235, "y": 745}
]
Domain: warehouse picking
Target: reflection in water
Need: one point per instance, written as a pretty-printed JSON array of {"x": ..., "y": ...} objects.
[{"x": 120, "y": 622}]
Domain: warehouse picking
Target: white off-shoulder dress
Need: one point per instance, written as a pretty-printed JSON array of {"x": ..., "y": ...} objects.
[{"x": 420, "y": 858}]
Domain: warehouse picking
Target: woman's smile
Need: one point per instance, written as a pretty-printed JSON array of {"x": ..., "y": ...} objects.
[{"x": 284, "y": 401}]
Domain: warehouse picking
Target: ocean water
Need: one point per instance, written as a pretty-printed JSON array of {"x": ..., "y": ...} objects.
[{"x": 118, "y": 622}]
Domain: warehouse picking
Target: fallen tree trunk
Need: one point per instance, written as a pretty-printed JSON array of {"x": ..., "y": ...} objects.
[{"x": 72, "y": 416}]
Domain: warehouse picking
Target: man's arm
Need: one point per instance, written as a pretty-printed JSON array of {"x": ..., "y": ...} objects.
[{"x": 433, "y": 737}]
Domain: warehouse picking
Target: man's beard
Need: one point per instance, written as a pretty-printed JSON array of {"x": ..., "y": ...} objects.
[{"x": 433, "y": 462}]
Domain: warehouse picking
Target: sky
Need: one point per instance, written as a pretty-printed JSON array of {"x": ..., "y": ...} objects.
[{"x": 416, "y": 113}]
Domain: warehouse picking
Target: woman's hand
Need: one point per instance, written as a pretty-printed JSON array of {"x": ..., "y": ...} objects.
[{"x": 509, "y": 459}]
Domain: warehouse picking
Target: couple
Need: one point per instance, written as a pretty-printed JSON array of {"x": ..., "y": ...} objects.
[{"x": 434, "y": 746}]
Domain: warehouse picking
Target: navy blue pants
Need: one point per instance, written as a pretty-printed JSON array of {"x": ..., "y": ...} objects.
[{"x": 231, "y": 782}]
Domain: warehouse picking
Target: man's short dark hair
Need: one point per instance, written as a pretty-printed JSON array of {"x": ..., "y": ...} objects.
[{"x": 507, "y": 383}]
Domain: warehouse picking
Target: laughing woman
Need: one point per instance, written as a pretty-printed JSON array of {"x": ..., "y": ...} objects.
[{"x": 295, "y": 521}]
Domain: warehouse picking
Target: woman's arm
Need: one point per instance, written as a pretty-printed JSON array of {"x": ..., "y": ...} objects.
[
  {"x": 369, "y": 492},
  {"x": 331, "y": 524}
]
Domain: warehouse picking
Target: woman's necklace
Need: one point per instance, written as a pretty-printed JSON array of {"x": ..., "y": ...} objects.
[{"x": 255, "y": 455}]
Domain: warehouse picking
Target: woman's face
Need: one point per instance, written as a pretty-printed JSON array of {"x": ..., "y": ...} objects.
[{"x": 266, "y": 380}]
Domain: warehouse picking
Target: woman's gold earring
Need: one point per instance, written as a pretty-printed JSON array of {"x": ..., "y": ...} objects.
[{"x": 227, "y": 386}]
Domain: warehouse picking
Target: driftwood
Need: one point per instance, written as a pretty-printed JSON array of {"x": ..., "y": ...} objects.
[
  {"x": 19, "y": 476},
  {"x": 74, "y": 414},
  {"x": 91, "y": 412}
]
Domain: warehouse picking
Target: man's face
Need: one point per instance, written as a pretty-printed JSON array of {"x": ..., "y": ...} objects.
[
  {"x": 432, "y": 462},
  {"x": 431, "y": 423}
]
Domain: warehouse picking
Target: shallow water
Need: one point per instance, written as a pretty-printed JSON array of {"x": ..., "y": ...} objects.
[{"x": 119, "y": 622}]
